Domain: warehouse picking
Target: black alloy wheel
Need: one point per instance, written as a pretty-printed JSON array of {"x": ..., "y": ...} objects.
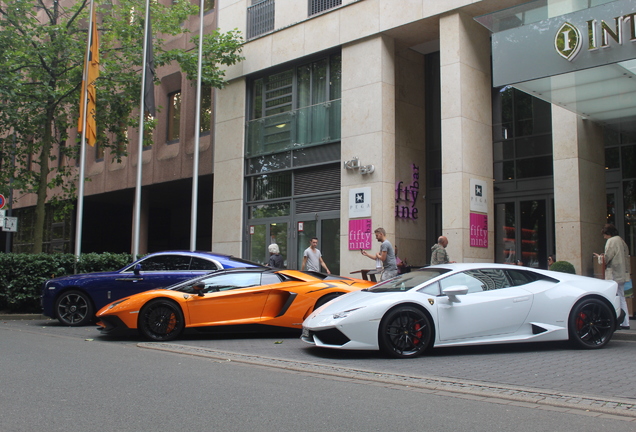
[
  {"x": 591, "y": 324},
  {"x": 161, "y": 320},
  {"x": 74, "y": 308},
  {"x": 405, "y": 331}
]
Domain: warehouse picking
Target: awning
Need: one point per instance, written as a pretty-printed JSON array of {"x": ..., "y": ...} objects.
[{"x": 567, "y": 53}]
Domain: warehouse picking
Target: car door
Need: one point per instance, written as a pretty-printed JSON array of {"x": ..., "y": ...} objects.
[
  {"x": 491, "y": 307},
  {"x": 229, "y": 298}
]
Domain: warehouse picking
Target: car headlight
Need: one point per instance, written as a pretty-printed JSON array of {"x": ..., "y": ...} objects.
[
  {"x": 117, "y": 303},
  {"x": 345, "y": 314}
]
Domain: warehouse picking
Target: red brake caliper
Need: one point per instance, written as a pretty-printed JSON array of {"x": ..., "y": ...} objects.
[
  {"x": 580, "y": 321},
  {"x": 418, "y": 334}
]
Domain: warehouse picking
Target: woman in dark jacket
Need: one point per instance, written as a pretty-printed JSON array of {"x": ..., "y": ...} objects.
[{"x": 275, "y": 258}]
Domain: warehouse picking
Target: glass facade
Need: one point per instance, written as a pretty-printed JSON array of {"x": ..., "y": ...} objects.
[
  {"x": 620, "y": 172},
  {"x": 522, "y": 134},
  {"x": 523, "y": 168},
  {"x": 292, "y": 169},
  {"x": 298, "y": 107}
]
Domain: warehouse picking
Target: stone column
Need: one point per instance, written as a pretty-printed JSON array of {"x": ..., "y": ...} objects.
[
  {"x": 368, "y": 133},
  {"x": 579, "y": 188},
  {"x": 466, "y": 131},
  {"x": 229, "y": 144}
]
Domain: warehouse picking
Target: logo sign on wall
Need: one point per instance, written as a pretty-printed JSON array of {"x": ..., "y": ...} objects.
[
  {"x": 567, "y": 41},
  {"x": 478, "y": 230},
  {"x": 360, "y": 234},
  {"x": 360, "y": 202},
  {"x": 478, "y": 196}
]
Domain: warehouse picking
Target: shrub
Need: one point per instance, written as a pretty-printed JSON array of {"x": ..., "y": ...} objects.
[
  {"x": 22, "y": 275},
  {"x": 563, "y": 267}
]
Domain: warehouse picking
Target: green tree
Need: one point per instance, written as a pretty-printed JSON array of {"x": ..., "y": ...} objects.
[{"x": 42, "y": 49}]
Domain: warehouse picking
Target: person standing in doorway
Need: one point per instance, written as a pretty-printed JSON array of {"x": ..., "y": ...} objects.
[
  {"x": 312, "y": 258},
  {"x": 386, "y": 255},
  {"x": 617, "y": 265},
  {"x": 275, "y": 258},
  {"x": 438, "y": 252}
]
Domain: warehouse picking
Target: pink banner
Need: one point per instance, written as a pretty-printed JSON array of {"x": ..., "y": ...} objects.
[
  {"x": 360, "y": 234},
  {"x": 478, "y": 230}
]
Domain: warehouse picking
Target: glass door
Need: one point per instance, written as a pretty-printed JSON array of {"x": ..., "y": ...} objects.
[
  {"x": 261, "y": 235},
  {"x": 324, "y": 226},
  {"x": 524, "y": 232}
]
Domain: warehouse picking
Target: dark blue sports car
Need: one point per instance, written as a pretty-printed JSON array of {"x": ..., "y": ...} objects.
[{"x": 74, "y": 299}]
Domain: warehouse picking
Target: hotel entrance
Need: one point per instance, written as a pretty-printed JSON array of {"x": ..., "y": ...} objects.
[
  {"x": 525, "y": 231},
  {"x": 293, "y": 235}
]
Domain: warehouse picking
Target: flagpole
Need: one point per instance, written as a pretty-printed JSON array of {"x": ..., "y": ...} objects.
[
  {"x": 80, "y": 193},
  {"x": 197, "y": 138},
  {"x": 137, "y": 211}
]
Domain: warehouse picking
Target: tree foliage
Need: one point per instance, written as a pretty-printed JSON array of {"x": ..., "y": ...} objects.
[{"x": 42, "y": 49}]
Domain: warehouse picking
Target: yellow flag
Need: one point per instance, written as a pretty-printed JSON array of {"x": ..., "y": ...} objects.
[{"x": 93, "y": 73}]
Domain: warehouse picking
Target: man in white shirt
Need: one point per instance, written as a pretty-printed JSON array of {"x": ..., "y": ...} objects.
[{"x": 312, "y": 258}]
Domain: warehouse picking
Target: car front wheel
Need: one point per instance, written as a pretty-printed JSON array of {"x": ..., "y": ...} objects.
[
  {"x": 74, "y": 308},
  {"x": 161, "y": 320},
  {"x": 405, "y": 332},
  {"x": 591, "y": 324}
]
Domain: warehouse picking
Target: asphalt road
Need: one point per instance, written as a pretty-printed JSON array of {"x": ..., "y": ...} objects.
[{"x": 62, "y": 378}]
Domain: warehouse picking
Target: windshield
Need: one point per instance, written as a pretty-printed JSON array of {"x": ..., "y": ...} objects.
[{"x": 406, "y": 281}]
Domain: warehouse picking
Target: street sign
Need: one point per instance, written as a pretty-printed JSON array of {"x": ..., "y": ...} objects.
[
  {"x": 3, "y": 213},
  {"x": 10, "y": 224},
  {"x": 2, "y": 201}
]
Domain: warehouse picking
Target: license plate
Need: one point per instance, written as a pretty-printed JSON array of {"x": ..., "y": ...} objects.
[{"x": 305, "y": 332}]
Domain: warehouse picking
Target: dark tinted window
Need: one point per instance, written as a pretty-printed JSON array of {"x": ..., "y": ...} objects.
[
  {"x": 166, "y": 262},
  {"x": 202, "y": 264},
  {"x": 478, "y": 280},
  {"x": 523, "y": 277}
]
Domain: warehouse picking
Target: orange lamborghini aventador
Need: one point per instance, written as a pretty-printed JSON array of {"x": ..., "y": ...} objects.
[{"x": 281, "y": 298}]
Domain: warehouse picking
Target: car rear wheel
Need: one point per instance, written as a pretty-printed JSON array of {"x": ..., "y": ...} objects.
[
  {"x": 591, "y": 324},
  {"x": 74, "y": 308},
  {"x": 161, "y": 320},
  {"x": 405, "y": 332}
]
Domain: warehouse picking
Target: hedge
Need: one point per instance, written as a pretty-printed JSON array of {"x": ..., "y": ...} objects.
[
  {"x": 563, "y": 266},
  {"x": 22, "y": 275}
]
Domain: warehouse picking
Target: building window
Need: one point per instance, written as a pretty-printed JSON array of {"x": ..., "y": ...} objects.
[
  {"x": 208, "y": 5},
  {"x": 174, "y": 117},
  {"x": 205, "y": 115},
  {"x": 99, "y": 151},
  {"x": 295, "y": 108},
  {"x": 620, "y": 177},
  {"x": 260, "y": 18},
  {"x": 522, "y": 135},
  {"x": 317, "y": 6}
]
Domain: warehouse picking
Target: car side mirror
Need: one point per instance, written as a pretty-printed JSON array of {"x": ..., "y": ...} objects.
[
  {"x": 198, "y": 288},
  {"x": 453, "y": 291},
  {"x": 137, "y": 269}
]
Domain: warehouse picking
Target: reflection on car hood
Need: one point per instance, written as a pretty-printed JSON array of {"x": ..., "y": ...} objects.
[{"x": 82, "y": 276}]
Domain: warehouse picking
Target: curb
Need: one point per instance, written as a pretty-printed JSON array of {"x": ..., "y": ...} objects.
[{"x": 19, "y": 317}]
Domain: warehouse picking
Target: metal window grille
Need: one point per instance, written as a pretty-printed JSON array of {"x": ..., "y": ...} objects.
[
  {"x": 260, "y": 18},
  {"x": 317, "y": 6}
]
